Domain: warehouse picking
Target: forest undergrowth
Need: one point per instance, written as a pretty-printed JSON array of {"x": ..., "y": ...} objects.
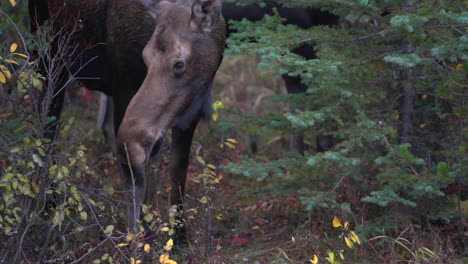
[{"x": 374, "y": 197}]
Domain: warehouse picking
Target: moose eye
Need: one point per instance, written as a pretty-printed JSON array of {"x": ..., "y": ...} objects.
[{"x": 178, "y": 68}]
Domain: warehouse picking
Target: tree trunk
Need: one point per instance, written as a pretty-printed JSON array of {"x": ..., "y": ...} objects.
[{"x": 407, "y": 101}]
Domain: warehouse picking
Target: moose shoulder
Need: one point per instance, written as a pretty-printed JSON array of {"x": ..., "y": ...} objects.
[{"x": 156, "y": 58}]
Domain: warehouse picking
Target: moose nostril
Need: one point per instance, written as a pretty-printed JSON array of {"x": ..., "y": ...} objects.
[{"x": 147, "y": 142}]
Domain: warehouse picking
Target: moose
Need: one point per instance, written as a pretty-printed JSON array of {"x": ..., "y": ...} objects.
[
  {"x": 156, "y": 58},
  {"x": 302, "y": 17}
]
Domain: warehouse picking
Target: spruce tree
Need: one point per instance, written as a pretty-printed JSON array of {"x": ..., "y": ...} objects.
[{"x": 389, "y": 86}]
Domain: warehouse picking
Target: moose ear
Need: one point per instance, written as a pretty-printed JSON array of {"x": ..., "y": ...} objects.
[{"x": 205, "y": 15}]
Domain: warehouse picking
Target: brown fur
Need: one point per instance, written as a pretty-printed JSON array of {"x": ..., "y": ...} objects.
[{"x": 133, "y": 48}]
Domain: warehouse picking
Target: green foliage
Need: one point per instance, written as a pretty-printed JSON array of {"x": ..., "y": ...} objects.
[
  {"x": 355, "y": 91},
  {"x": 313, "y": 199},
  {"x": 386, "y": 196},
  {"x": 46, "y": 204},
  {"x": 54, "y": 195},
  {"x": 258, "y": 170}
]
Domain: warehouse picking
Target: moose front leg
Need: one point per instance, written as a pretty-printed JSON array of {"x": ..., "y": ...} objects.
[
  {"x": 135, "y": 182},
  {"x": 179, "y": 160},
  {"x": 180, "y": 152},
  {"x": 132, "y": 155}
]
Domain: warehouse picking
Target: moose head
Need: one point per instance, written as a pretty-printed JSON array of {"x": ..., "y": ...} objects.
[{"x": 181, "y": 57}]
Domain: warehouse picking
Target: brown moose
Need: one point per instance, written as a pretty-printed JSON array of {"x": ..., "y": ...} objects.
[{"x": 157, "y": 59}]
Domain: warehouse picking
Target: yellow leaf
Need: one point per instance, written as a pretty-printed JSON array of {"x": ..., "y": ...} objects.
[
  {"x": 109, "y": 229},
  {"x": 133, "y": 261},
  {"x": 230, "y": 145},
  {"x": 314, "y": 260},
  {"x": 336, "y": 222},
  {"x": 233, "y": 141},
  {"x": 355, "y": 237},
  {"x": 5, "y": 71},
  {"x": 203, "y": 200},
  {"x": 215, "y": 116},
  {"x": 217, "y": 106},
  {"x": 211, "y": 166},
  {"x": 217, "y": 180},
  {"x": 13, "y": 2},
  {"x": 256, "y": 227},
  {"x": 422, "y": 125},
  {"x": 165, "y": 229},
  {"x": 12, "y": 62},
  {"x": 459, "y": 67},
  {"x": 129, "y": 237},
  {"x": 164, "y": 259},
  {"x": 331, "y": 257},
  {"x": 349, "y": 243},
  {"x": 122, "y": 244},
  {"x": 2, "y": 78},
  {"x": 341, "y": 254},
  {"x": 91, "y": 201},
  {"x": 200, "y": 159},
  {"x": 169, "y": 245},
  {"x": 37, "y": 84},
  {"x": 13, "y": 46},
  {"x": 424, "y": 96},
  {"x": 21, "y": 55},
  {"x": 147, "y": 248},
  {"x": 346, "y": 225}
]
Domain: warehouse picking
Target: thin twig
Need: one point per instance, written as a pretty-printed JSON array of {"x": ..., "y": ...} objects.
[
  {"x": 104, "y": 230},
  {"x": 91, "y": 251},
  {"x": 19, "y": 33},
  {"x": 133, "y": 184}
]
